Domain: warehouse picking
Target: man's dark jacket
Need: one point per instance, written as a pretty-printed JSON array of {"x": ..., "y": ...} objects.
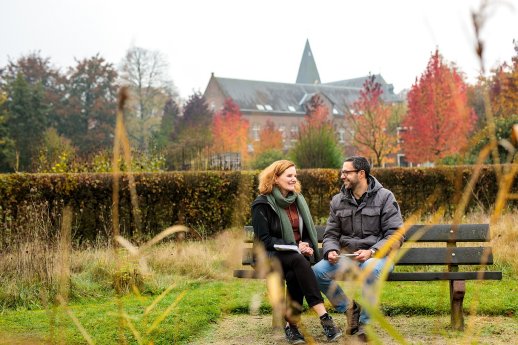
[{"x": 368, "y": 225}]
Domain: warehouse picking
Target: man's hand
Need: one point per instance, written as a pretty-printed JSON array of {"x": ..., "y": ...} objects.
[
  {"x": 363, "y": 255},
  {"x": 333, "y": 257}
]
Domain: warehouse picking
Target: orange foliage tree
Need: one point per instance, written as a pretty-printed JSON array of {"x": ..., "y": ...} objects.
[
  {"x": 317, "y": 146},
  {"x": 317, "y": 114},
  {"x": 369, "y": 123},
  {"x": 269, "y": 139},
  {"x": 504, "y": 88},
  {"x": 230, "y": 130},
  {"x": 439, "y": 120}
]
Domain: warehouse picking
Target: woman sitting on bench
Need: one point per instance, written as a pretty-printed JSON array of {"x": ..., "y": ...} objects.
[{"x": 283, "y": 224}]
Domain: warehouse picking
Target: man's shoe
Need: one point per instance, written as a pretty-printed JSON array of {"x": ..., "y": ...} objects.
[
  {"x": 353, "y": 318},
  {"x": 362, "y": 335},
  {"x": 293, "y": 336},
  {"x": 331, "y": 331}
]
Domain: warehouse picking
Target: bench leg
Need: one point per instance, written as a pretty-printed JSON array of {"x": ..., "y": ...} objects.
[{"x": 457, "y": 291}]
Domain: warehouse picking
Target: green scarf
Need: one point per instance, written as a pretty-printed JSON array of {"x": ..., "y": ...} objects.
[{"x": 279, "y": 203}]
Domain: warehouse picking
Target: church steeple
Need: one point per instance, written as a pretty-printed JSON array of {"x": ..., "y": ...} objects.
[{"x": 308, "y": 72}]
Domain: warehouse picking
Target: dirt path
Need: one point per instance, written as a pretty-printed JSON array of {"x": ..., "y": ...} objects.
[{"x": 249, "y": 329}]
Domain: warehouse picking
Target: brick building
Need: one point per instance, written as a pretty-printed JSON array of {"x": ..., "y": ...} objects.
[{"x": 285, "y": 103}]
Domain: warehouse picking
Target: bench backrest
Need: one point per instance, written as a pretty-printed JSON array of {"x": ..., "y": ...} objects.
[{"x": 445, "y": 236}]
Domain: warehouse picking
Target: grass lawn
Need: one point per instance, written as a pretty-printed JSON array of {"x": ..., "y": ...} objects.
[{"x": 194, "y": 305}]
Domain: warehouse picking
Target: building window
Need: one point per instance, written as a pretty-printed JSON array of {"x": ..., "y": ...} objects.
[
  {"x": 399, "y": 131},
  {"x": 282, "y": 129},
  {"x": 402, "y": 162},
  {"x": 335, "y": 112},
  {"x": 255, "y": 131},
  {"x": 291, "y": 108},
  {"x": 294, "y": 132},
  {"x": 260, "y": 107},
  {"x": 341, "y": 135},
  {"x": 268, "y": 107}
]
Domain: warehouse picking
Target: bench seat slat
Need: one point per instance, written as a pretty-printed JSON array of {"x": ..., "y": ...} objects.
[
  {"x": 412, "y": 276},
  {"x": 428, "y": 256},
  {"x": 428, "y": 233},
  {"x": 447, "y": 255},
  {"x": 425, "y": 276},
  {"x": 450, "y": 233}
]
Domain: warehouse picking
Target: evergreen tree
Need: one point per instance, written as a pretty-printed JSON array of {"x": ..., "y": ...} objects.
[
  {"x": 168, "y": 124},
  {"x": 190, "y": 148},
  {"x": 27, "y": 120},
  {"x": 6, "y": 143}
]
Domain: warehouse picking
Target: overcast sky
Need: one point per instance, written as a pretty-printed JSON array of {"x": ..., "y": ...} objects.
[{"x": 261, "y": 40}]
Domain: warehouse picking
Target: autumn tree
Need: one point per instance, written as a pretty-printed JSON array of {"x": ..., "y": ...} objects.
[
  {"x": 504, "y": 88},
  {"x": 369, "y": 123},
  {"x": 439, "y": 120},
  {"x": 268, "y": 148},
  {"x": 37, "y": 69},
  {"x": 270, "y": 138},
  {"x": 317, "y": 114},
  {"x": 91, "y": 104},
  {"x": 317, "y": 146},
  {"x": 145, "y": 72},
  {"x": 230, "y": 130}
]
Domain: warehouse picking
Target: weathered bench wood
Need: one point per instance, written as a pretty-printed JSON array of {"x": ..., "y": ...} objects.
[{"x": 444, "y": 252}]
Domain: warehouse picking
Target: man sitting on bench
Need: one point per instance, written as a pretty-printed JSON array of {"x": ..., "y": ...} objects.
[{"x": 362, "y": 217}]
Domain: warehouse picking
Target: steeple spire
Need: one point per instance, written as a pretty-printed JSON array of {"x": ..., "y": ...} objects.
[{"x": 308, "y": 72}]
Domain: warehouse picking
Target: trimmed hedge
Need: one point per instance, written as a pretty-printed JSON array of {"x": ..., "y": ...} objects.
[{"x": 211, "y": 201}]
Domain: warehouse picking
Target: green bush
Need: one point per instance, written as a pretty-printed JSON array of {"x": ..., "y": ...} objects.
[
  {"x": 266, "y": 158},
  {"x": 209, "y": 202}
]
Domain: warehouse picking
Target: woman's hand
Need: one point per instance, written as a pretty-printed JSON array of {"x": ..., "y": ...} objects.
[{"x": 305, "y": 249}]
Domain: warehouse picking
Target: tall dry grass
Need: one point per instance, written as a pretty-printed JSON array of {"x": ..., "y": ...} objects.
[{"x": 504, "y": 239}]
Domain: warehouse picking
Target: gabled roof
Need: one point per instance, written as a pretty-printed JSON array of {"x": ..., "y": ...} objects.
[
  {"x": 252, "y": 95},
  {"x": 286, "y": 98},
  {"x": 308, "y": 72},
  {"x": 388, "y": 89}
]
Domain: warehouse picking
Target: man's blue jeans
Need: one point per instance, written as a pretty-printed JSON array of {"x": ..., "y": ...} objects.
[{"x": 326, "y": 273}]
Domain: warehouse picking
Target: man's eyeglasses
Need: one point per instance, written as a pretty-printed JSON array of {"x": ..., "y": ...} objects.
[{"x": 347, "y": 172}]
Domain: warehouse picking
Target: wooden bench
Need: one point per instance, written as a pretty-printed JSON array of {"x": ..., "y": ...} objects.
[{"x": 441, "y": 249}]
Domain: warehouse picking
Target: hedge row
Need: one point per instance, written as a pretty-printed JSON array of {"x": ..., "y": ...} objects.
[{"x": 210, "y": 201}]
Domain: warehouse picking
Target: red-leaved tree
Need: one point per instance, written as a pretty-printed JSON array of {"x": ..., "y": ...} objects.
[
  {"x": 270, "y": 138},
  {"x": 230, "y": 130},
  {"x": 317, "y": 146},
  {"x": 317, "y": 114},
  {"x": 439, "y": 119},
  {"x": 369, "y": 122}
]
